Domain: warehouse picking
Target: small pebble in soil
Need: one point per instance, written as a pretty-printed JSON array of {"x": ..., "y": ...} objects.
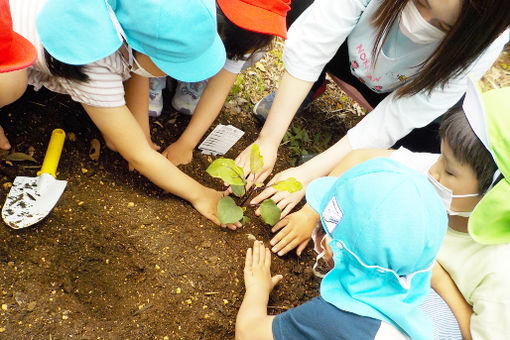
[
  {"x": 131, "y": 204},
  {"x": 84, "y": 171},
  {"x": 178, "y": 290},
  {"x": 7, "y": 185},
  {"x": 157, "y": 267}
]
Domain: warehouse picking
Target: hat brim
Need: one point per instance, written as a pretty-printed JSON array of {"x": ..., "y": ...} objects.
[
  {"x": 203, "y": 67},
  {"x": 316, "y": 191},
  {"x": 22, "y": 55},
  {"x": 490, "y": 221},
  {"x": 254, "y": 18},
  {"x": 474, "y": 110}
]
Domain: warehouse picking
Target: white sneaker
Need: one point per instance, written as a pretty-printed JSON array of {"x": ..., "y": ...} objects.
[
  {"x": 156, "y": 86},
  {"x": 187, "y": 95}
]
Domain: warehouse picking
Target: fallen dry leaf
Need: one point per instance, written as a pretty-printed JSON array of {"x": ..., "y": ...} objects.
[{"x": 19, "y": 157}]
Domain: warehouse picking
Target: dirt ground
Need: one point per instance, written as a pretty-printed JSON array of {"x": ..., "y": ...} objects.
[{"x": 119, "y": 259}]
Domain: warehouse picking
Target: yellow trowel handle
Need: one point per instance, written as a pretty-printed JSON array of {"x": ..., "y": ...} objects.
[{"x": 53, "y": 152}]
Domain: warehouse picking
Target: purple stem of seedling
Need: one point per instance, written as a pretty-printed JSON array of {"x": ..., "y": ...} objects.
[{"x": 250, "y": 193}]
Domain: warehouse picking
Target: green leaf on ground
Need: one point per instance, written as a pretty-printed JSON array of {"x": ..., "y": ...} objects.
[
  {"x": 228, "y": 211},
  {"x": 290, "y": 184},
  {"x": 245, "y": 220},
  {"x": 269, "y": 212},
  {"x": 227, "y": 170},
  {"x": 238, "y": 190},
  {"x": 256, "y": 160}
]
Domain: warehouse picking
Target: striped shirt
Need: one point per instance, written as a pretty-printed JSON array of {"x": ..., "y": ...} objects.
[{"x": 106, "y": 76}]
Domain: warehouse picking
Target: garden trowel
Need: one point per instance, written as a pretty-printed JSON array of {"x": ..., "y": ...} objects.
[{"x": 32, "y": 198}]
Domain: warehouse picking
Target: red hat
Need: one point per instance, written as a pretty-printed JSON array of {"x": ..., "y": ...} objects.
[
  {"x": 262, "y": 16},
  {"x": 16, "y": 52}
]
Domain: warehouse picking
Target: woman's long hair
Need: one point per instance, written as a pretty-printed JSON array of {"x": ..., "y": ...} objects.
[{"x": 480, "y": 22}]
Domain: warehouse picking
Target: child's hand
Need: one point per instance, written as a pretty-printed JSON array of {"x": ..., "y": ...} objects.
[
  {"x": 207, "y": 205},
  {"x": 178, "y": 153},
  {"x": 257, "y": 270},
  {"x": 295, "y": 231}
]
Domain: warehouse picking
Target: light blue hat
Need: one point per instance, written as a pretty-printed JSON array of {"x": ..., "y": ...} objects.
[
  {"x": 179, "y": 36},
  {"x": 386, "y": 223}
]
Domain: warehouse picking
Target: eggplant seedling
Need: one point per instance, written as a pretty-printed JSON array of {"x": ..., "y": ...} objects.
[{"x": 233, "y": 175}]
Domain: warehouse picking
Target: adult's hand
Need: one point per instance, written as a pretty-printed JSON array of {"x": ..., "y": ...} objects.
[
  {"x": 285, "y": 200},
  {"x": 268, "y": 153}
]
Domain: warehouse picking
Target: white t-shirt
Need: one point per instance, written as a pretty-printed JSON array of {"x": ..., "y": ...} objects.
[
  {"x": 314, "y": 38},
  {"x": 106, "y": 76},
  {"x": 481, "y": 272}
]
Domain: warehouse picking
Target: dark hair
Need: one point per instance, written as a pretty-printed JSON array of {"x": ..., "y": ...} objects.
[
  {"x": 239, "y": 41},
  {"x": 480, "y": 22},
  {"x": 467, "y": 148},
  {"x": 60, "y": 69}
]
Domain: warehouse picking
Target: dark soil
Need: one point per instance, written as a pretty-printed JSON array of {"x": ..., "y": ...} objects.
[{"x": 117, "y": 258}]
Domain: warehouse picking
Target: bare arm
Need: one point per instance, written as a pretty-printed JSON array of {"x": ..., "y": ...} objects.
[
  {"x": 356, "y": 157},
  {"x": 210, "y": 104},
  {"x": 296, "y": 229},
  {"x": 252, "y": 321},
  {"x": 291, "y": 93},
  {"x": 119, "y": 125},
  {"x": 443, "y": 284}
]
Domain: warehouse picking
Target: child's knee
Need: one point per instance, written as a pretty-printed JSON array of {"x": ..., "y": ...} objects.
[{"x": 12, "y": 86}]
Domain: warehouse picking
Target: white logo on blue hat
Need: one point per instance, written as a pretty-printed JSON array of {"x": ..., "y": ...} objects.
[{"x": 332, "y": 215}]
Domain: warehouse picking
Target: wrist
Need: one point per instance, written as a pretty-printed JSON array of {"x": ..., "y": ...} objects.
[
  {"x": 258, "y": 292},
  {"x": 311, "y": 214},
  {"x": 187, "y": 141},
  {"x": 268, "y": 139}
]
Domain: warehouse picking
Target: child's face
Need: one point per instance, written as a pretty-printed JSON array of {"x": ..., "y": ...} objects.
[{"x": 458, "y": 177}]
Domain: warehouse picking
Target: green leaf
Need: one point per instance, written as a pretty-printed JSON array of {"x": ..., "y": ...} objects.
[
  {"x": 290, "y": 184},
  {"x": 238, "y": 190},
  {"x": 227, "y": 170},
  {"x": 269, "y": 212},
  {"x": 256, "y": 161},
  {"x": 228, "y": 211},
  {"x": 245, "y": 220},
  {"x": 259, "y": 185}
]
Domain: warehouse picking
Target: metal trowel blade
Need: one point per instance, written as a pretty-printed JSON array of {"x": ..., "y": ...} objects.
[{"x": 31, "y": 199}]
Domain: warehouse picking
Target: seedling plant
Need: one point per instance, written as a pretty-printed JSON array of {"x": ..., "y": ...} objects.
[{"x": 228, "y": 210}]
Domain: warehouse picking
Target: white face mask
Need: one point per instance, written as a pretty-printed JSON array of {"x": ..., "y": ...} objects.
[
  {"x": 447, "y": 196},
  {"x": 320, "y": 254},
  {"x": 138, "y": 69},
  {"x": 417, "y": 29}
]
